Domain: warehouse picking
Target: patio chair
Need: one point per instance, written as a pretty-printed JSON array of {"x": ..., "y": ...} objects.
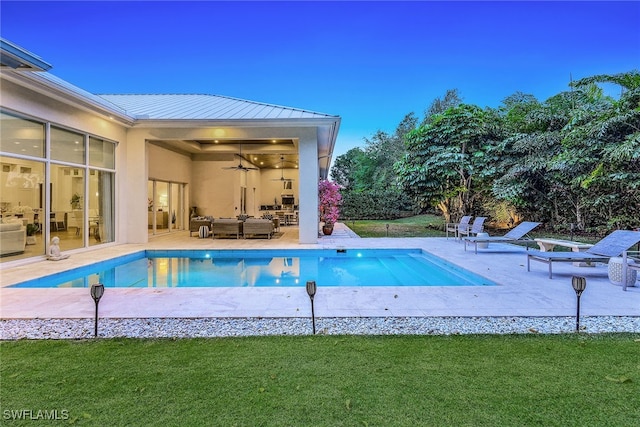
[
  {"x": 454, "y": 227},
  {"x": 476, "y": 227},
  {"x": 613, "y": 245},
  {"x": 59, "y": 221},
  {"x": 516, "y": 234}
]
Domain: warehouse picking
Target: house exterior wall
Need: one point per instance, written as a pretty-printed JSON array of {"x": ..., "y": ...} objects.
[
  {"x": 28, "y": 103},
  {"x": 137, "y": 160}
]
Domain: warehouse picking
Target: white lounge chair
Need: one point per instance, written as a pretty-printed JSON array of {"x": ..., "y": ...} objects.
[
  {"x": 514, "y": 235},
  {"x": 613, "y": 245}
]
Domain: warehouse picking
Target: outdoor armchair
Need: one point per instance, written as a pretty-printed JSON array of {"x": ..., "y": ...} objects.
[
  {"x": 476, "y": 227},
  {"x": 455, "y": 227}
]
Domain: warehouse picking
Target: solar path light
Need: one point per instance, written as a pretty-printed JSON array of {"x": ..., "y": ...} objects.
[
  {"x": 311, "y": 291},
  {"x": 579, "y": 284},
  {"x": 97, "y": 290}
]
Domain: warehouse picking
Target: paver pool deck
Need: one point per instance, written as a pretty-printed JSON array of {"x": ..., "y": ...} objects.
[{"x": 519, "y": 293}]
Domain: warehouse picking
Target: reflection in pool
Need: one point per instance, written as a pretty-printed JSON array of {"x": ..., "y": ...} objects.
[{"x": 263, "y": 268}]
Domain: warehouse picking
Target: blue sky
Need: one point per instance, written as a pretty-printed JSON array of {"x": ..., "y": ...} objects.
[{"x": 369, "y": 62}]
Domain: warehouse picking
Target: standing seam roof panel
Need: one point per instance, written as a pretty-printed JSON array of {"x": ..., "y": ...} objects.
[{"x": 199, "y": 106}]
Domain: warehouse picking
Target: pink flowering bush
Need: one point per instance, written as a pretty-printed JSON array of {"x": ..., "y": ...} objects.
[{"x": 329, "y": 201}]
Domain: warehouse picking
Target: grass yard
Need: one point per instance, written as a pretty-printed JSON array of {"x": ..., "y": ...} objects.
[
  {"x": 433, "y": 226},
  {"x": 516, "y": 380},
  {"x": 415, "y": 226}
]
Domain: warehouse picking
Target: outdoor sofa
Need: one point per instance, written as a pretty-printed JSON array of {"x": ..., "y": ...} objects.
[
  {"x": 226, "y": 226},
  {"x": 257, "y": 227}
]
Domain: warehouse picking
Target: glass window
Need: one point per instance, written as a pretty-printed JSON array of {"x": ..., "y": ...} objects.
[
  {"x": 21, "y": 202},
  {"x": 21, "y": 136},
  {"x": 67, "y": 146},
  {"x": 102, "y": 153}
]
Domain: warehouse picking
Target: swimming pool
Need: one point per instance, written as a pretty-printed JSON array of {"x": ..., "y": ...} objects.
[{"x": 264, "y": 268}]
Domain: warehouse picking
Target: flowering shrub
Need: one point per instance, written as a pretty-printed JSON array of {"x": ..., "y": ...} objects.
[{"x": 329, "y": 202}]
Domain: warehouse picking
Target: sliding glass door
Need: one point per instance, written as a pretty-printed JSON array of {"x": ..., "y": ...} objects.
[{"x": 166, "y": 206}]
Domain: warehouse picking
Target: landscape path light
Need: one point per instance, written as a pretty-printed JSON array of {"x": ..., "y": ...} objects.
[
  {"x": 311, "y": 291},
  {"x": 97, "y": 290},
  {"x": 579, "y": 284}
]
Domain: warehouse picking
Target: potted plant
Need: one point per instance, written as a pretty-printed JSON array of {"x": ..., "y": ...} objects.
[
  {"x": 32, "y": 229},
  {"x": 75, "y": 201},
  {"x": 329, "y": 204}
]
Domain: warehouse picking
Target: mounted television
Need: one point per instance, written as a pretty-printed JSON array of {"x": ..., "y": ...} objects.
[{"x": 288, "y": 199}]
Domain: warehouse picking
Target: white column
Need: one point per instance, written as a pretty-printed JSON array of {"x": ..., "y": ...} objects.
[{"x": 308, "y": 203}]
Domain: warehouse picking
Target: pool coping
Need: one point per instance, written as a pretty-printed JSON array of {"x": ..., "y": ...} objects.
[{"x": 520, "y": 293}]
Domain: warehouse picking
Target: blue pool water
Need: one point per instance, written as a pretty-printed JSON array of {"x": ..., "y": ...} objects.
[{"x": 235, "y": 268}]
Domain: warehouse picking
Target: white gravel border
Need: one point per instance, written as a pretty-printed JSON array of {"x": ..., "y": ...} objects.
[{"x": 14, "y": 329}]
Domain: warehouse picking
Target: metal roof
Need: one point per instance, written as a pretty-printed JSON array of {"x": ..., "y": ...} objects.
[
  {"x": 14, "y": 57},
  {"x": 205, "y": 107}
]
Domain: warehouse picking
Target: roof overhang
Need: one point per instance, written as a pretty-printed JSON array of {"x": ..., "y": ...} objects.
[
  {"x": 16, "y": 58},
  {"x": 26, "y": 70}
]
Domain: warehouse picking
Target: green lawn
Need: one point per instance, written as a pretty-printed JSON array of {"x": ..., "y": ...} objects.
[
  {"x": 433, "y": 226},
  {"x": 515, "y": 380},
  {"x": 415, "y": 226}
]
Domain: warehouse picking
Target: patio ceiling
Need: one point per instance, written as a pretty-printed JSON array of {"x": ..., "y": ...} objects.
[{"x": 263, "y": 153}]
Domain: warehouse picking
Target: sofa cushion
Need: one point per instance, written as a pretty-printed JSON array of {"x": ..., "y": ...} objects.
[{"x": 10, "y": 226}]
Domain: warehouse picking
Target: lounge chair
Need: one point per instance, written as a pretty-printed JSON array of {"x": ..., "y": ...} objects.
[
  {"x": 455, "y": 226},
  {"x": 514, "y": 235},
  {"x": 476, "y": 227},
  {"x": 613, "y": 245}
]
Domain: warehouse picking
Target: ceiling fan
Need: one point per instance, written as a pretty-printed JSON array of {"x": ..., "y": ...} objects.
[
  {"x": 282, "y": 178},
  {"x": 240, "y": 166}
]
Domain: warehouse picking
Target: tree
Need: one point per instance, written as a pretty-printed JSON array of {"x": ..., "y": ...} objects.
[
  {"x": 575, "y": 158},
  {"x": 367, "y": 177},
  {"x": 439, "y": 105},
  {"x": 445, "y": 160}
]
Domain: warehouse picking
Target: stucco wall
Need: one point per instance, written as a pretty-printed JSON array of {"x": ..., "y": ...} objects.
[{"x": 166, "y": 165}]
